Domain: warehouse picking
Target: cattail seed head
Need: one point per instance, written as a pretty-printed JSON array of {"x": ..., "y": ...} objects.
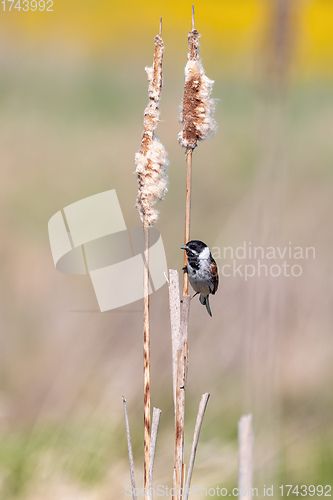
[
  {"x": 197, "y": 107},
  {"x": 151, "y": 159}
]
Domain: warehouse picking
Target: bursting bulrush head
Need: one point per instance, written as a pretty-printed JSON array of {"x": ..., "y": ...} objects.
[
  {"x": 197, "y": 115},
  {"x": 151, "y": 160}
]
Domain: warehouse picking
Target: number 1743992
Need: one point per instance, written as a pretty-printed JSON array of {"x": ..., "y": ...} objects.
[{"x": 27, "y": 5}]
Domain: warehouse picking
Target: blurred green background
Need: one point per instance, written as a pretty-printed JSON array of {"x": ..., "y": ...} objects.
[{"x": 72, "y": 94}]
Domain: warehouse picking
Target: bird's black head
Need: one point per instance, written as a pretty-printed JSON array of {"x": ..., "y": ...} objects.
[{"x": 194, "y": 247}]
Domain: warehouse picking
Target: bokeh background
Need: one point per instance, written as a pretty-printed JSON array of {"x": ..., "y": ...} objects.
[{"x": 72, "y": 94}]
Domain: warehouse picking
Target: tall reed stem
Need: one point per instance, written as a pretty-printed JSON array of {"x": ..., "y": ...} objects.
[
  {"x": 187, "y": 212},
  {"x": 146, "y": 366},
  {"x": 197, "y": 120},
  {"x": 151, "y": 162}
]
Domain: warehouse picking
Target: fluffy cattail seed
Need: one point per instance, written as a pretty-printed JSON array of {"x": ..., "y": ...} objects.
[
  {"x": 151, "y": 159},
  {"x": 197, "y": 107}
]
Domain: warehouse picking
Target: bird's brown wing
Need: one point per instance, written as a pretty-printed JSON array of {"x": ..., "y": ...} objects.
[{"x": 215, "y": 276}]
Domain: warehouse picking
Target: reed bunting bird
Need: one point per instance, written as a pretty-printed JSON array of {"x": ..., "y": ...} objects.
[{"x": 202, "y": 271}]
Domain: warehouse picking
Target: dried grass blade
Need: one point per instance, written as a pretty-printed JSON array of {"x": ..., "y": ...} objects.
[
  {"x": 201, "y": 413},
  {"x": 130, "y": 452},
  {"x": 154, "y": 430}
]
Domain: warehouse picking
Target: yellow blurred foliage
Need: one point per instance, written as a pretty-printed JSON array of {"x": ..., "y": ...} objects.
[{"x": 238, "y": 25}]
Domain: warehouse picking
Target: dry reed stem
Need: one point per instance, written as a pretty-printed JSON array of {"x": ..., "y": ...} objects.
[
  {"x": 180, "y": 395},
  {"x": 187, "y": 212},
  {"x": 146, "y": 356},
  {"x": 174, "y": 496},
  {"x": 154, "y": 430},
  {"x": 198, "y": 123},
  {"x": 245, "y": 456},
  {"x": 130, "y": 453},
  {"x": 200, "y": 416},
  {"x": 183, "y": 480},
  {"x": 152, "y": 185},
  {"x": 174, "y": 300}
]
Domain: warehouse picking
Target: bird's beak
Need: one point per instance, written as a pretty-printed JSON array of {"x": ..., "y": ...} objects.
[{"x": 184, "y": 247}]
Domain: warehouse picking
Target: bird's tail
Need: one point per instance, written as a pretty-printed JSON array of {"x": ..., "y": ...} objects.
[{"x": 205, "y": 302}]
